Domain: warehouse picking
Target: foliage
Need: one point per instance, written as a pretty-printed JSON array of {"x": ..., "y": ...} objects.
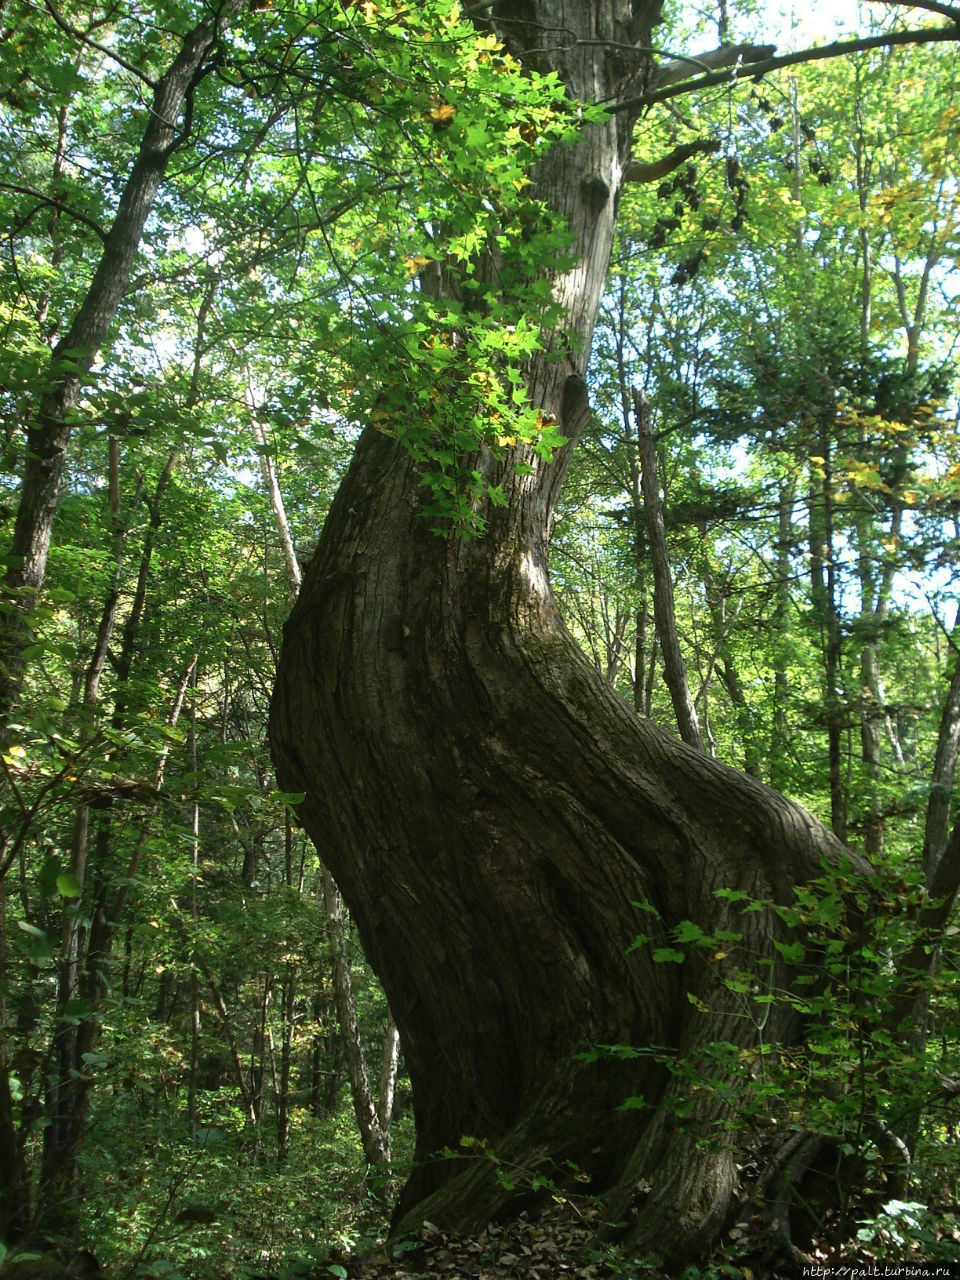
[
  {"x": 787, "y": 304},
  {"x": 843, "y": 1083}
]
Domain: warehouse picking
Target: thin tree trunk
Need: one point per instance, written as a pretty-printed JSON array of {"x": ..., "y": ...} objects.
[
  {"x": 375, "y": 1139},
  {"x": 16, "y": 1190},
  {"x": 288, "y": 993},
  {"x": 269, "y": 473},
  {"x": 663, "y": 605},
  {"x": 824, "y": 598},
  {"x": 258, "y": 1062},
  {"x": 195, "y": 1019},
  {"x": 66, "y": 1094},
  {"x": 226, "y": 1023},
  {"x": 873, "y": 598},
  {"x": 373, "y": 1117},
  {"x": 49, "y": 431},
  {"x": 874, "y": 717},
  {"x": 717, "y": 605},
  {"x": 640, "y": 658},
  {"x": 389, "y": 1065},
  {"x": 779, "y": 738}
]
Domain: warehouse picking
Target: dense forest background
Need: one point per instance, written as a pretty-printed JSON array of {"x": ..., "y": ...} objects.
[{"x": 756, "y": 546}]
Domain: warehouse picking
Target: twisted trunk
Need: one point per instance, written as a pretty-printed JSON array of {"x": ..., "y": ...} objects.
[{"x": 492, "y": 811}]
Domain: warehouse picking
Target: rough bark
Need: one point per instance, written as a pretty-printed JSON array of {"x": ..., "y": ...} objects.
[{"x": 492, "y": 810}]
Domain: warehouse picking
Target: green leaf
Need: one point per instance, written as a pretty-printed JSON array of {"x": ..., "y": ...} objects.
[
  {"x": 792, "y": 952},
  {"x": 32, "y": 929},
  {"x": 68, "y": 885},
  {"x": 687, "y": 931},
  {"x": 49, "y": 874},
  {"x": 667, "y": 955},
  {"x": 77, "y": 1008}
]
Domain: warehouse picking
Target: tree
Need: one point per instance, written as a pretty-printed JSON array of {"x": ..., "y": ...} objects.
[
  {"x": 347, "y": 231},
  {"x": 73, "y": 355},
  {"x": 491, "y": 811}
]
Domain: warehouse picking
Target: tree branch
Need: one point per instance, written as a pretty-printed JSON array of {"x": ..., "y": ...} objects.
[
  {"x": 71, "y": 30},
  {"x": 946, "y": 10},
  {"x": 839, "y": 49},
  {"x": 56, "y": 204},
  {"x": 653, "y": 170},
  {"x": 728, "y": 55}
]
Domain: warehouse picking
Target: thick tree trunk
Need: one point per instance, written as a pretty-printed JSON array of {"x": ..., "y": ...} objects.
[{"x": 492, "y": 811}]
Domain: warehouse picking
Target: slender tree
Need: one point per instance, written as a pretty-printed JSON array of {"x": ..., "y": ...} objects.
[{"x": 168, "y": 124}]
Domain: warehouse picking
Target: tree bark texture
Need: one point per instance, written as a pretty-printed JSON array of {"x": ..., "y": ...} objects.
[{"x": 492, "y": 811}]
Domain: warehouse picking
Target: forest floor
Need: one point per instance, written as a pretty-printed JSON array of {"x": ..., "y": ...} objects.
[{"x": 561, "y": 1243}]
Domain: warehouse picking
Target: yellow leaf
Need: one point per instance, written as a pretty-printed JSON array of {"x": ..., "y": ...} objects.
[
  {"x": 443, "y": 111},
  {"x": 416, "y": 263}
]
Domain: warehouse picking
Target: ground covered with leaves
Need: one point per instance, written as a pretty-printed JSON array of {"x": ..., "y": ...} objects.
[{"x": 562, "y": 1241}]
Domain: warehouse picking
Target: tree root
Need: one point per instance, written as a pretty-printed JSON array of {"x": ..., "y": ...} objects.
[{"x": 779, "y": 1189}]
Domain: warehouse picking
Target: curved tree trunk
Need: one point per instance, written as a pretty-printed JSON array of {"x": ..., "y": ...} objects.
[{"x": 492, "y": 811}]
